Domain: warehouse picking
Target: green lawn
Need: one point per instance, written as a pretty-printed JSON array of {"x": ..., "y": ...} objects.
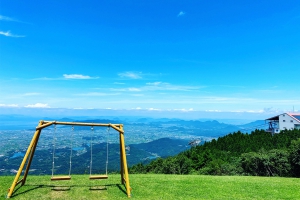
[{"x": 150, "y": 186}]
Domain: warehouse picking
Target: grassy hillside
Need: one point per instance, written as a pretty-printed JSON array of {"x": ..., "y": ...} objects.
[{"x": 149, "y": 186}]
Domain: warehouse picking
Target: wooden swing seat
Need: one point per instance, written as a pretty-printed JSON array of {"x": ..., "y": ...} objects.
[
  {"x": 60, "y": 178},
  {"x": 98, "y": 177}
]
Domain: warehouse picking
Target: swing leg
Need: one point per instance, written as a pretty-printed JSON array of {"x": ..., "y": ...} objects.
[
  {"x": 30, "y": 159},
  {"x": 124, "y": 163},
  {"x": 121, "y": 162},
  {"x": 29, "y": 150}
]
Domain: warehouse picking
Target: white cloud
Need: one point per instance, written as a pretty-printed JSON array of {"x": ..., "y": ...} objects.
[
  {"x": 134, "y": 89},
  {"x": 97, "y": 94},
  {"x": 181, "y": 13},
  {"x": 168, "y": 86},
  {"x": 184, "y": 110},
  {"x": 131, "y": 75},
  {"x": 260, "y": 111},
  {"x": 78, "y": 76},
  {"x": 213, "y": 111},
  {"x": 137, "y": 95},
  {"x": 9, "y": 105},
  {"x": 126, "y": 89},
  {"x": 45, "y": 79},
  {"x": 31, "y": 94},
  {"x": 66, "y": 77},
  {"x": 8, "y": 34},
  {"x": 37, "y": 105},
  {"x": 5, "y": 18},
  {"x": 119, "y": 83},
  {"x": 154, "y": 83},
  {"x": 157, "y": 86},
  {"x": 154, "y": 109}
]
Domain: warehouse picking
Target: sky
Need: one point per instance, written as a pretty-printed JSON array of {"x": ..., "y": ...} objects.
[{"x": 182, "y": 56}]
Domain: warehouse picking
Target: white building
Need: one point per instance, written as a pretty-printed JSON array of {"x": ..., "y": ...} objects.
[{"x": 285, "y": 121}]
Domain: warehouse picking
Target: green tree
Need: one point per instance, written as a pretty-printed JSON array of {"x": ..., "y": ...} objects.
[{"x": 295, "y": 157}]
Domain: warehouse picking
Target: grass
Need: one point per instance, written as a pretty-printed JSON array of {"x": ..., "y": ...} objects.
[{"x": 151, "y": 186}]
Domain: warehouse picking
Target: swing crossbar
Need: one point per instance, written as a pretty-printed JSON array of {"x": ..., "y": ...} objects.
[
  {"x": 98, "y": 177},
  {"x": 48, "y": 123},
  {"x": 60, "y": 178}
]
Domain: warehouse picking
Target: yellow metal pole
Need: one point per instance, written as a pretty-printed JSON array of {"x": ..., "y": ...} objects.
[
  {"x": 31, "y": 156},
  {"x": 41, "y": 126},
  {"x": 121, "y": 160},
  {"x": 79, "y": 124},
  {"x": 116, "y": 128},
  {"x": 128, "y": 189},
  {"x": 13, "y": 185}
]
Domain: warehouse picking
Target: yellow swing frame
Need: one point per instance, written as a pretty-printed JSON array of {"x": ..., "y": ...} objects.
[{"x": 32, "y": 146}]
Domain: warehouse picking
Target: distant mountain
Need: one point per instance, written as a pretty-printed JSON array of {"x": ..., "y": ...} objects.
[
  {"x": 211, "y": 128},
  {"x": 163, "y": 147},
  {"x": 208, "y": 128},
  {"x": 102, "y": 121},
  {"x": 256, "y": 124},
  {"x": 143, "y": 120},
  {"x": 17, "y": 122}
]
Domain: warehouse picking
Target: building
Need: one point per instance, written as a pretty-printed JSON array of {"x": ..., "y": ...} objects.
[{"x": 285, "y": 121}]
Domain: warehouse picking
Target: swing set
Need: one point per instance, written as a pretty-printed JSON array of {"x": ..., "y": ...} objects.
[{"x": 32, "y": 146}]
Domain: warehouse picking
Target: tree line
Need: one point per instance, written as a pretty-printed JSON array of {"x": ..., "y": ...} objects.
[{"x": 258, "y": 154}]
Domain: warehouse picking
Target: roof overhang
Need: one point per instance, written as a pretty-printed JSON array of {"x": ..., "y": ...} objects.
[
  {"x": 274, "y": 118},
  {"x": 292, "y": 115}
]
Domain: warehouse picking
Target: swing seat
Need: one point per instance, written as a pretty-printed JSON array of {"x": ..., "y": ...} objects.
[
  {"x": 60, "y": 178},
  {"x": 98, "y": 177}
]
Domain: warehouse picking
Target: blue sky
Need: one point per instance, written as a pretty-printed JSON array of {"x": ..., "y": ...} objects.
[{"x": 236, "y": 56}]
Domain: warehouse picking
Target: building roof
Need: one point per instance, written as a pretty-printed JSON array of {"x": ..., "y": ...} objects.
[{"x": 295, "y": 116}]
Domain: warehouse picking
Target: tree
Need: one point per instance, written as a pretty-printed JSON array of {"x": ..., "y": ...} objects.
[
  {"x": 295, "y": 157},
  {"x": 272, "y": 163}
]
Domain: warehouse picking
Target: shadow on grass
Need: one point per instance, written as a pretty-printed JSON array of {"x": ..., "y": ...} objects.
[
  {"x": 96, "y": 188},
  {"x": 61, "y": 188},
  {"x": 29, "y": 188},
  {"x": 121, "y": 188}
]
